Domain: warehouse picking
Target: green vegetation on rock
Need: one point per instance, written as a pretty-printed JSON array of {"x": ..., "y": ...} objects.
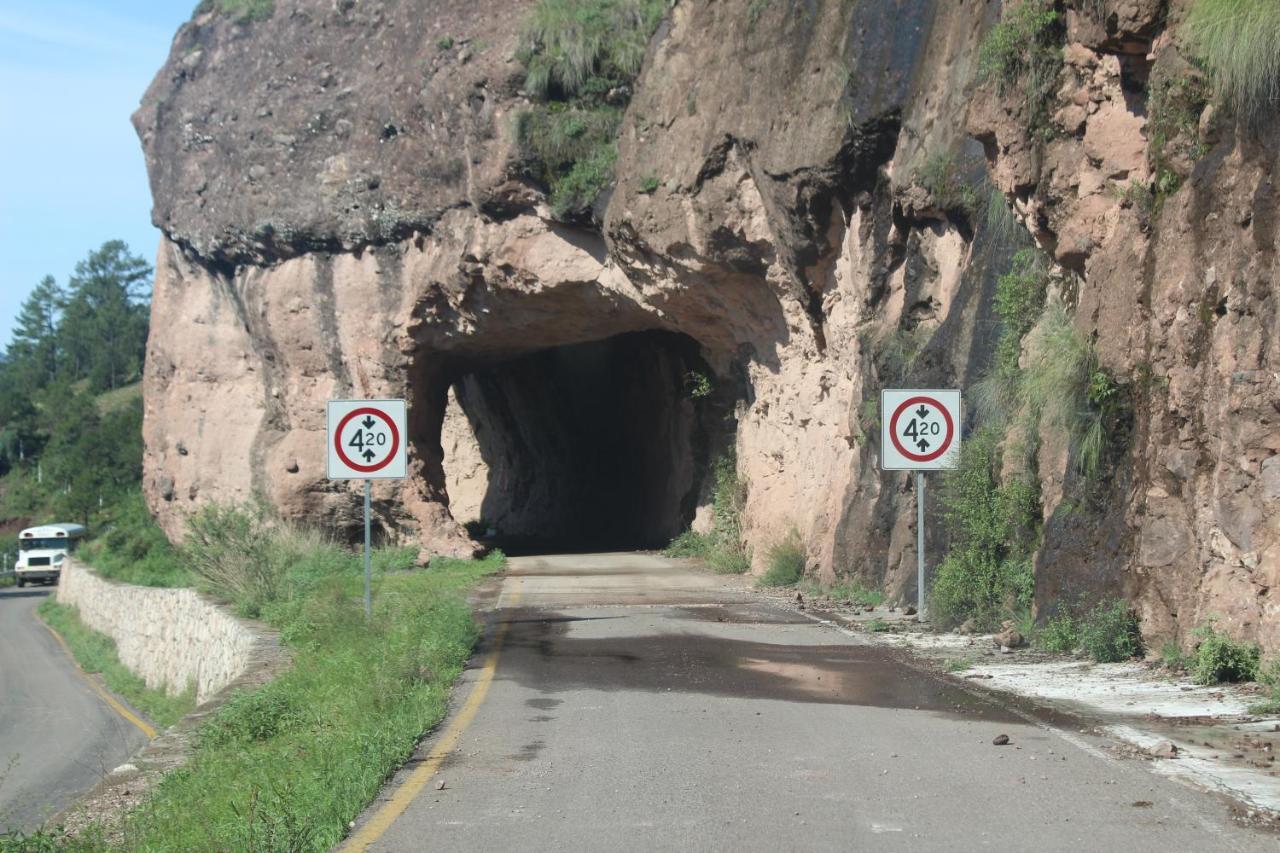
[
  {"x": 1239, "y": 42},
  {"x": 96, "y": 654},
  {"x": 1109, "y": 632},
  {"x": 1219, "y": 658},
  {"x": 994, "y": 528},
  {"x": 580, "y": 58},
  {"x": 721, "y": 547},
  {"x": 241, "y": 10},
  {"x": 1024, "y": 51},
  {"x": 944, "y": 178}
]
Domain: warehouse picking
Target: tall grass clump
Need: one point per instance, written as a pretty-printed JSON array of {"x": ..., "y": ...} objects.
[
  {"x": 1065, "y": 388},
  {"x": 721, "y": 547},
  {"x": 1024, "y": 52},
  {"x": 243, "y": 557},
  {"x": 786, "y": 562},
  {"x": 993, "y": 527},
  {"x": 580, "y": 57},
  {"x": 1239, "y": 42}
]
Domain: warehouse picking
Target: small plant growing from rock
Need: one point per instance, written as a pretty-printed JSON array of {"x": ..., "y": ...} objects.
[
  {"x": 1109, "y": 632},
  {"x": 444, "y": 42},
  {"x": 649, "y": 184},
  {"x": 1239, "y": 42},
  {"x": 944, "y": 178}
]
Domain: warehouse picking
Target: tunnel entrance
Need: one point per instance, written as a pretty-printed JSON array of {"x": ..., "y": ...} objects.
[{"x": 585, "y": 447}]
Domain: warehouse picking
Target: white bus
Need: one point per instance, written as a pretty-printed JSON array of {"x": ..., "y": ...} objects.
[{"x": 41, "y": 551}]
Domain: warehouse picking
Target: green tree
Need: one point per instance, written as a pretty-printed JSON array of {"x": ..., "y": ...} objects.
[
  {"x": 33, "y": 353},
  {"x": 104, "y": 323}
]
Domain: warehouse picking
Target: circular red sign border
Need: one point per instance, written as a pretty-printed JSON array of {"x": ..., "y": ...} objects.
[
  {"x": 380, "y": 415},
  {"x": 946, "y": 416}
]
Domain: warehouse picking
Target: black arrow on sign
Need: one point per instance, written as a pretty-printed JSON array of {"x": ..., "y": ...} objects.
[
  {"x": 368, "y": 422},
  {"x": 368, "y": 455},
  {"x": 922, "y": 411},
  {"x": 923, "y": 445}
]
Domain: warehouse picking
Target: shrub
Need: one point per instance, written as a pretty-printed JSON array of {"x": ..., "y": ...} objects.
[
  {"x": 993, "y": 528},
  {"x": 1239, "y": 42},
  {"x": 1219, "y": 658},
  {"x": 786, "y": 562},
  {"x": 1109, "y": 632},
  {"x": 1025, "y": 50},
  {"x": 1270, "y": 678},
  {"x": 1059, "y": 634}
]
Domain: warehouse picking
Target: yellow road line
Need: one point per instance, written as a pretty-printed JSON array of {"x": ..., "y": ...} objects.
[
  {"x": 112, "y": 701},
  {"x": 421, "y": 775}
]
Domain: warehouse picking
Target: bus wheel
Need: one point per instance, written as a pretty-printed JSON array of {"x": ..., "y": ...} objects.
[{"x": 21, "y": 583}]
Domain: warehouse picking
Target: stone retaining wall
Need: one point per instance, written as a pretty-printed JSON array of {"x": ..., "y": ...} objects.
[{"x": 172, "y": 638}]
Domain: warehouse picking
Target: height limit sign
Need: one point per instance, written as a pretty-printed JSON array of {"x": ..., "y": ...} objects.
[
  {"x": 366, "y": 440},
  {"x": 919, "y": 430}
]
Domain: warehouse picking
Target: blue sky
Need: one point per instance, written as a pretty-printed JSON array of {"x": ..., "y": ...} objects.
[{"x": 71, "y": 74}]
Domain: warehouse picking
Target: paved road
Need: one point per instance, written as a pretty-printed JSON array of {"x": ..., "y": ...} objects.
[
  {"x": 57, "y": 737},
  {"x": 636, "y": 705}
]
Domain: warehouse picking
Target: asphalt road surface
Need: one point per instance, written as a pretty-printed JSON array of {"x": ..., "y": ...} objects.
[
  {"x": 57, "y": 736},
  {"x": 638, "y": 705}
]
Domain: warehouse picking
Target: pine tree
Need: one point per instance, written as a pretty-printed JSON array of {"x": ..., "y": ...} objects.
[
  {"x": 104, "y": 323},
  {"x": 32, "y": 355}
]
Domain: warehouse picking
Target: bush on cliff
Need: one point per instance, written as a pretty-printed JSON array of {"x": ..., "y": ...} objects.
[
  {"x": 993, "y": 528},
  {"x": 1024, "y": 51},
  {"x": 1219, "y": 658},
  {"x": 580, "y": 58},
  {"x": 1239, "y": 42}
]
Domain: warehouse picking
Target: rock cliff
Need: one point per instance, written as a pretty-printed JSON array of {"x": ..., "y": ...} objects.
[{"x": 345, "y": 214}]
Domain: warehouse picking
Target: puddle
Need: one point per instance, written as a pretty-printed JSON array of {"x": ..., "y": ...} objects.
[{"x": 543, "y": 654}]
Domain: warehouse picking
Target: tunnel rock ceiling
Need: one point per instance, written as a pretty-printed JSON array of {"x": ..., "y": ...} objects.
[{"x": 344, "y": 214}]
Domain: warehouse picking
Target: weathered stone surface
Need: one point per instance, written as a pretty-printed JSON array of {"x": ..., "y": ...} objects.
[{"x": 787, "y": 240}]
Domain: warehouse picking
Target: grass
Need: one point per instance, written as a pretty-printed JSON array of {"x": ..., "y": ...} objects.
[
  {"x": 288, "y": 765},
  {"x": 569, "y": 46},
  {"x": 1172, "y": 656},
  {"x": 958, "y": 665},
  {"x": 649, "y": 184},
  {"x": 786, "y": 562},
  {"x": 1024, "y": 52},
  {"x": 1109, "y": 632},
  {"x": 878, "y": 626},
  {"x": 119, "y": 398},
  {"x": 848, "y": 591},
  {"x": 96, "y": 654},
  {"x": 720, "y": 548},
  {"x": 1239, "y": 42},
  {"x": 1218, "y": 658},
  {"x": 993, "y": 527},
  {"x": 131, "y": 548}
]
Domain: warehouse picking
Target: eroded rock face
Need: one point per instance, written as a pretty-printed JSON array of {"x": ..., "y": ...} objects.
[{"x": 785, "y": 269}]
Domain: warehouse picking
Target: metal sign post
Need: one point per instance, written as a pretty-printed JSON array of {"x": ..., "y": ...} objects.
[
  {"x": 365, "y": 440},
  {"x": 919, "y": 431}
]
